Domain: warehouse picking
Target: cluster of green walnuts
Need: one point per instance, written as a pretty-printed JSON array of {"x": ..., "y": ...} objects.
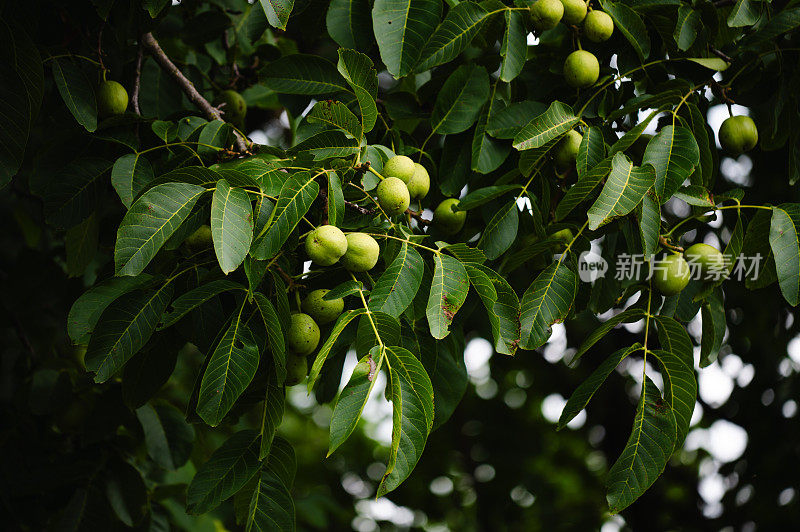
[{"x": 581, "y": 68}]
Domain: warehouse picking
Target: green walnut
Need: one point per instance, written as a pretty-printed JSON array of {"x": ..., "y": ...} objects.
[
  {"x": 232, "y": 106},
  {"x": 598, "y": 26},
  {"x": 546, "y": 14},
  {"x": 420, "y": 182},
  {"x": 303, "y": 334},
  {"x": 200, "y": 239},
  {"x": 574, "y": 11},
  {"x": 671, "y": 274},
  {"x": 296, "y": 369},
  {"x": 738, "y": 134},
  {"x": 399, "y": 166},
  {"x": 567, "y": 150},
  {"x": 112, "y": 99},
  {"x": 707, "y": 259},
  {"x": 447, "y": 220},
  {"x": 393, "y": 196},
  {"x": 581, "y": 69},
  {"x": 362, "y": 252},
  {"x": 326, "y": 244},
  {"x": 322, "y": 310},
  {"x": 564, "y": 235}
]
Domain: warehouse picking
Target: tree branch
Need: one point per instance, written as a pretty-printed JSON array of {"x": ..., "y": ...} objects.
[
  {"x": 721, "y": 55},
  {"x": 358, "y": 208},
  {"x": 212, "y": 113},
  {"x": 137, "y": 81}
]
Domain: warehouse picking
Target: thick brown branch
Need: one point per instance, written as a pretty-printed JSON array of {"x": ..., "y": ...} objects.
[
  {"x": 211, "y": 112},
  {"x": 358, "y": 208}
]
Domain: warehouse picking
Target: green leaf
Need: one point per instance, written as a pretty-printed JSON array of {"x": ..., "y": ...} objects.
[
  {"x": 74, "y": 195},
  {"x": 711, "y": 63},
  {"x": 453, "y": 35},
  {"x": 232, "y": 366},
  {"x": 487, "y": 153},
  {"x": 649, "y": 225},
  {"x": 680, "y": 390},
  {"x": 583, "y": 393},
  {"x": 388, "y": 331},
  {"x": 131, "y": 173},
  {"x": 271, "y": 417},
  {"x": 645, "y": 455},
  {"x": 336, "y": 114},
  {"x": 81, "y": 245},
  {"x": 167, "y": 435},
  {"x": 297, "y": 194},
  {"x": 402, "y": 28},
  {"x": 713, "y": 316},
  {"x": 674, "y": 338},
  {"x": 783, "y": 239},
  {"x": 277, "y": 343},
  {"x": 277, "y": 12},
  {"x": 484, "y": 195},
  {"x": 20, "y": 53},
  {"x": 630, "y": 24},
  {"x": 756, "y": 242},
  {"x": 502, "y": 305},
  {"x": 514, "y": 49},
  {"x": 507, "y": 122},
  {"x": 548, "y": 126},
  {"x": 192, "y": 299},
  {"x": 342, "y": 322},
  {"x": 674, "y": 154},
  {"x": 154, "y": 7},
  {"x": 77, "y": 91},
  {"x": 215, "y": 133},
  {"x": 335, "y": 200},
  {"x": 327, "y": 144},
  {"x": 624, "y": 189},
  {"x": 782, "y": 22},
  {"x": 546, "y": 301},
  {"x": 459, "y": 102},
  {"x": 302, "y": 74},
  {"x": 743, "y": 14},
  {"x": 16, "y": 112},
  {"x": 353, "y": 397},
  {"x": 581, "y": 190},
  {"x": 397, "y": 286},
  {"x": 463, "y": 252},
  {"x": 695, "y": 195},
  {"x": 149, "y": 370},
  {"x": 448, "y": 292},
  {"x": 687, "y": 26},
  {"x": 271, "y": 506},
  {"x": 88, "y": 308},
  {"x": 226, "y": 471},
  {"x": 630, "y": 137},
  {"x": 150, "y": 222},
  {"x": 411, "y": 394},
  {"x": 231, "y": 225},
  {"x": 704, "y": 175},
  {"x": 501, "y": 231},
  {"x": 349, "y": 23},
  {"x": 123, "y": 329},
  {"x": 360, "y": 74},
  {"x": 591, "y": 152},
  {"x": 626, "y": 316}
]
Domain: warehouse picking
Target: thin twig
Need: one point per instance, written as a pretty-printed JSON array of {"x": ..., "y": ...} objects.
[
  {"x": 211, "y": 112},
  {"x": 418, "y": 217},
  {"x": 358, "y": 208},
  {"x": 100, "y": 48},
  {"x": 137, "y": 81},
  {"x": 721, "y": 55},
  {"x": 323, "y": 196}
]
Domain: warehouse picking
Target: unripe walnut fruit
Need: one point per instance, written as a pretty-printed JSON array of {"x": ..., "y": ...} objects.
[
  {"x": 738, "y": 134},
  {"x": 447, "y": 220},
  {"x": 546, "y": 14},
  {"x": 567, "y": 150},
  {"x": 420, "y": 182},
  {"x": 362, "y": 252},
  {"x": 303, "y": 334},
  {"x": 671, "y": 274},
  {"x": 598, "y": 26},
  {"x": 574, "y": 11},
  {"x": 326, "y": 244},
  {"x": 322, "y": 310},
  {"x": 296, "y": 369},
  {"x": 399, "y": 166},
  {"x": 200, "y": 239},
  {"x": 112, "y": 99},
  {"x": 393, "y": 196},
  {"x": 234, "y": 109},
  {"x": 705, "y": 257},
  {"x": 581, "y": 69}
]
